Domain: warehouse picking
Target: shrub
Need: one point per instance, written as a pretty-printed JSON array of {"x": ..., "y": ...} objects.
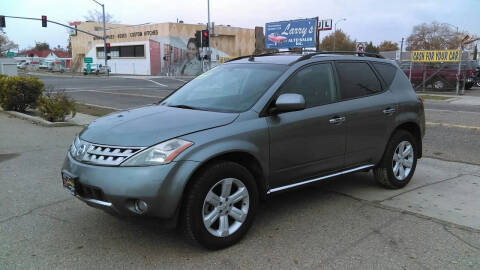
[
  {"x": 55, "y": 106},
  {"x": 17, "y": 93}
]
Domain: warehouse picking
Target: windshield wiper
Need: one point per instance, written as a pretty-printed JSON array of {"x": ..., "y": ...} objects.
[{"x": 182, "y": 106}]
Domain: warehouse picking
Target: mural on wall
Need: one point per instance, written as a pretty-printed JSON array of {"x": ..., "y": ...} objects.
[{"x": 180, "y": 56}]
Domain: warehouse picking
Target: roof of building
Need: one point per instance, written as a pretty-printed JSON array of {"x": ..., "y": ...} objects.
[{"x": 45, "y": 53}]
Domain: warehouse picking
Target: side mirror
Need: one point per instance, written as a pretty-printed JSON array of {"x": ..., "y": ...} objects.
[{"x": 289, "y": 102}]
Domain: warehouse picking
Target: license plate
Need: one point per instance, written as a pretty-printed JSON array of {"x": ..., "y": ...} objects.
[{"x": 68, "y": 183}]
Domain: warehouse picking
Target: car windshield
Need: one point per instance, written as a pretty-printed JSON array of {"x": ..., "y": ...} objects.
[{"x": 226, "y": 88}]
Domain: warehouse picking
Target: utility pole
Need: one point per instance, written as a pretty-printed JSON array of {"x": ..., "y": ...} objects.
[
  {"x": 104, "y": 38},
  {"x": 401, "y": 50}
]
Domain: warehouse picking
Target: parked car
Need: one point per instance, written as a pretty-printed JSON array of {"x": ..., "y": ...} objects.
[
  {"x": 211, "y": 151},
  {"x": 22, "y": 65},
  {"x": 44, "y": 64},
  {"x": 440, "y": 75},
  {"x": 96, "y": 69}
]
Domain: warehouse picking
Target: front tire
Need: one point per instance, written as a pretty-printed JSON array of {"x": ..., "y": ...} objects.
[
  {"x": 220, "y": 205},
  {"x": 399, "y": 161}
]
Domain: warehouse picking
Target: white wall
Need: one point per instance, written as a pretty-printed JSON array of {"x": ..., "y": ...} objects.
[{"x": 134, "y": 65}]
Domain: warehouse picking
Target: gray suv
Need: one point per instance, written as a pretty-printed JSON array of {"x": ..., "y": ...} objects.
[{"x": 206, "y": 155}]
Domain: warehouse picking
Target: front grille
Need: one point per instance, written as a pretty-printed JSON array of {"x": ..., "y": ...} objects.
[
  {"x": 89, "y": 192},
  {"x": 108, "y": 155}
]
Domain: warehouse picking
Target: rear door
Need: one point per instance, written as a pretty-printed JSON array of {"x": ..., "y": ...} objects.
[
  {"x": 371, "y": 109},
  {"x": 306, "y": 143}
]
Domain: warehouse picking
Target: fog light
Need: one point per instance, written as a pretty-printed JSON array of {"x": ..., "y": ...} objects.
[{"x": 140, "y": 206}]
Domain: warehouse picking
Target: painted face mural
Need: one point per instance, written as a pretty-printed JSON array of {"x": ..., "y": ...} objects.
[{"x": 179, "y": 56}]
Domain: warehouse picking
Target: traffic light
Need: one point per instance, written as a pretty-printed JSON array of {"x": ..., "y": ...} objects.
[
  {"x": 44, "y": 21},
  {"x": 198, "y": 39},
  {"x": 205, "y": 38},
  {"x": 108, "y": 47},
  {"x": 2, "y": 21}
]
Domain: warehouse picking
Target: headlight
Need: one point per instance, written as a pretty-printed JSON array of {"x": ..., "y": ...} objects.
[{"x": 162, "y": 153}]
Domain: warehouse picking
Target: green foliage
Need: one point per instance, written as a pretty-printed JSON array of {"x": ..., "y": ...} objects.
[
  {"x": 55, "y": 106},
  {"x": 17, "y": 93}
]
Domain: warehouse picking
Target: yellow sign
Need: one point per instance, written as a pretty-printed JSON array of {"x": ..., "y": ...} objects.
[{"x": 436, "y": 56}]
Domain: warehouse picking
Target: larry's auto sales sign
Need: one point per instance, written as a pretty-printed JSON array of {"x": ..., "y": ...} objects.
[{"x": 290, "y": 34}]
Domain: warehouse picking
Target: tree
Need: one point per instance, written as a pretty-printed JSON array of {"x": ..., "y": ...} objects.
[
  {"x": 97, "y": 16},
  {"x": 342, "y": 42},
  {"x": 41, "y": 46},
  {"x": 370, "y": 48},
  {"x": 6, "y": 44},
  {"x": 387, "y": 46},
  {"x": 434, "y": 36}
]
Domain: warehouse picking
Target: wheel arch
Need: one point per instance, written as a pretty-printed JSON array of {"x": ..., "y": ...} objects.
[{"x": 414, "y": 129}]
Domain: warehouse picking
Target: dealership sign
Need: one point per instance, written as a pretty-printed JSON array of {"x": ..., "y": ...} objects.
[
  {"x": 290, "y": 34},
  {"x": 324, "y": 25},
  {"x": 436, "y": 56}
]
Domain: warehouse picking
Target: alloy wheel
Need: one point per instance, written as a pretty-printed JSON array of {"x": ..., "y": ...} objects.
[
  {"x": 403, "y": 158},
  {"x": 225, "y": 207}
]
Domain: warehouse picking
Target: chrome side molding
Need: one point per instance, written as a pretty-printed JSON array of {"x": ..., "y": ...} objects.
[
  {"x": 93, "y": 201},
  {"x": 319, "y": 178}
]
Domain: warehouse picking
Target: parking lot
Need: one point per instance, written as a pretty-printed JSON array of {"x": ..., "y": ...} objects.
[{"x": 344, "y": 223}]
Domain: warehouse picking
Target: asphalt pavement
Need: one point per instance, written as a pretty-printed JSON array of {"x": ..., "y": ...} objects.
[{"x": 346, "y": 223}]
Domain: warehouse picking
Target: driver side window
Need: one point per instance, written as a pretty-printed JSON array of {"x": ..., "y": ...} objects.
[{"x": 316, "y": 83}]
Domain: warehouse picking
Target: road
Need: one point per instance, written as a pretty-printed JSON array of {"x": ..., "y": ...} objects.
[{"x": 345, "y": 223}]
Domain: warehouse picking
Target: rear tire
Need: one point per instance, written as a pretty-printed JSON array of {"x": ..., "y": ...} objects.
[
  {"x": 399, "y": 161},
  {"x": 220, "y": 205}
]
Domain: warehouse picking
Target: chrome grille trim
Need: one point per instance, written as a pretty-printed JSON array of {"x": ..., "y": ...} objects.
[{"x": 108, "y": 155}]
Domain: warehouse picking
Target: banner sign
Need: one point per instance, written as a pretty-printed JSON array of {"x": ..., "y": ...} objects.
[
  {"x": 290, "y": 34},
  {"x": 436, "y": 56}
]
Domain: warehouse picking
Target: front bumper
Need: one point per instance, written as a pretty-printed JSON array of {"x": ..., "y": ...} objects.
[{"x": 161, "y": 187}]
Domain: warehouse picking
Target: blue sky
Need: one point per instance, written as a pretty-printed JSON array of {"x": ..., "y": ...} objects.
[{"x": 367, "y": 20}]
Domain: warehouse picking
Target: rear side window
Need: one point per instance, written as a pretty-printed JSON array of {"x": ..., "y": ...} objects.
[
  {"x": 357, "y": 79},
  {"x": 387, "y": 72}
]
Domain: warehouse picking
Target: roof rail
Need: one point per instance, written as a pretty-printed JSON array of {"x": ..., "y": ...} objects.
[{"x": 309, "y": 54}]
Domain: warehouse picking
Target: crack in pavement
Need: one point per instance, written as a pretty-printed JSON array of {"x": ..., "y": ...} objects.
[
  {"x": 33, "y": 209},
  {"x": 461, "y": 239},
  {"x": 422, "y": 186},
  {"x": 398, "y": 210}
]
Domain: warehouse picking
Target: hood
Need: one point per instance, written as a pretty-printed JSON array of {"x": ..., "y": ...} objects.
[{"x": 150, "y": 125}]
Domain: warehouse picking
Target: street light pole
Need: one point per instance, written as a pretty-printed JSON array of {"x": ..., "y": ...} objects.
[
  {"x": 335, "y": 32},
  {"x": 104, "y": 38}
]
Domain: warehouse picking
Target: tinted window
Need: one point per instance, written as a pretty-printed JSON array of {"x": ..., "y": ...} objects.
[
  {"x": 387, "y": 72},
  {"x": 357, "y": 79},
  {"x": 315, "y": 83},
  {"x": 227, "y": 88}
]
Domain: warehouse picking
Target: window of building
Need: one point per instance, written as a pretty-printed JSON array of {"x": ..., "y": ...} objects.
[
  {"x": 123, "y": 51},
  {"x": 97, "y": 28},
  {"x": 316, "y": 84},
  {"x": 357, "y": 79}
]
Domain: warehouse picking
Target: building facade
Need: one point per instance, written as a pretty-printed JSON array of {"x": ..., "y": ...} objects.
[{"x": 158, "y": 49}]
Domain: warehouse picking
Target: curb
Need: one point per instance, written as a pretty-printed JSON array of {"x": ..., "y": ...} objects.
[{"x": 38, "y": 120}]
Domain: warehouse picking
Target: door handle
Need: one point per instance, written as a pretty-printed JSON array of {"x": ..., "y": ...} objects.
[
  {"x": 337, "y": 120},
  {"x": 389, "y": 111}
]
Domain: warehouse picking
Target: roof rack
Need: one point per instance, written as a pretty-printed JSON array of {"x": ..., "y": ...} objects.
[{"x": 310, "y": 54}]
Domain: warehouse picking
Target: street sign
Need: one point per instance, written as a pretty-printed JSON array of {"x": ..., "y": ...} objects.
[
  {"x": 360, "y": 47},
  {"x": 436, "y": 56},
  {"x": 290, "y": 34},
  {"x": 324, "y": 25},
  {"x": 89, "y": 68},
  {"x": 10, "y": 54},
  {"x": 87, "y": 60}
]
